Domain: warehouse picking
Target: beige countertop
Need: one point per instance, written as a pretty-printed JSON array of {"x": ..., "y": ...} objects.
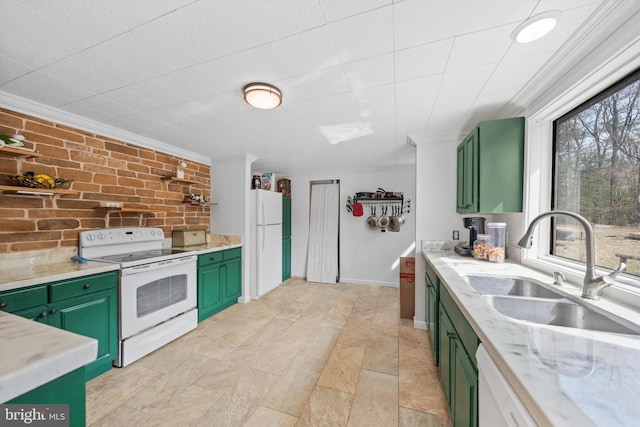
[
  {"x": 30, "y": 275},
  {"x": 564, "y": 376},
  {"x": 32, "y": 354}
]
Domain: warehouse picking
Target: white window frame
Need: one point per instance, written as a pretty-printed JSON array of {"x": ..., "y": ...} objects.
[{"x": 539, "y": 179}]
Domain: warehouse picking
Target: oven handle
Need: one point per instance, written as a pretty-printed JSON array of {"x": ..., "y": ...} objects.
[{"x": 157, "y": 265}]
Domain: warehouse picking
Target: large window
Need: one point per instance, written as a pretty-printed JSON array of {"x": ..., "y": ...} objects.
[{"x": 597, "y": 174}]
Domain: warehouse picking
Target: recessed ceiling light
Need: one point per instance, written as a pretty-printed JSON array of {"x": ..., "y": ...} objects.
[
  {"x": 536, "y": 27},
  {"x": 262, "y": 95}
]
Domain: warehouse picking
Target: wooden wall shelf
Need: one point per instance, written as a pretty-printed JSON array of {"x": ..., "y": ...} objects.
[
  {"x": 175, "y": 178},
  {"x": 200, "y": 204},
  {"x": 16, "y": 189},
  {"x": 17, "y": 152},
  {"x": 110, "y": 209}
]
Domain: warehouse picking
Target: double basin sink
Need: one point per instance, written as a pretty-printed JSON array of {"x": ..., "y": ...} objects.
[{"x": 528, "y": 300}]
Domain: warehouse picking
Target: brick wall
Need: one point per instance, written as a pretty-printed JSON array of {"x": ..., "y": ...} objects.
[{"x": 103, "y": 170}]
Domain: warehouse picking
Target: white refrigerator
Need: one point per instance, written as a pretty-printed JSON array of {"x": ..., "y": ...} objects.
[{"x": 266, "y": 242}]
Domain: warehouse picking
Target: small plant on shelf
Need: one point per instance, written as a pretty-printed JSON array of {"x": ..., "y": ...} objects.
[{"x": 195, "y": 198}]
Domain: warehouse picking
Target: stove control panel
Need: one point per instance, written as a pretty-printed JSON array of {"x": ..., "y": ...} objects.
[{"x": 109, "y": 236}]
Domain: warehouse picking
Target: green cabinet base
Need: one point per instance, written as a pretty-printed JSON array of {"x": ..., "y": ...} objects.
[
  {"x": 219, "y": 281},
  {"x": 68, "y": 389}
]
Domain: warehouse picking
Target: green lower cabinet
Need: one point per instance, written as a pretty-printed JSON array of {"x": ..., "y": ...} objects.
[
  {"x": 286, "y": 258},
  {"x": 209, "y": 290},
  {"x": 68, "y": 389},
  {"x": 432, "y": 305},
  {"x": 232, "y": 281},
  {"x": 219, "y": 281},
  {"x": 464, "y": 389},
  {"x": 86, "y": 305},
  {"x": 457, "y": 367},
  {"x": 94, "y": 316}
]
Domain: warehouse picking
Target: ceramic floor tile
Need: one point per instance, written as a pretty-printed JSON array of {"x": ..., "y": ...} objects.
[
  {"x": 381, "y": 355},
  {"x": 330, "y": 354},
  {"x": 413, "y": 343},
  {"x": 375, "y": 401},
  {"x": 327, "y": 408},
  {"x": 412, "y": 418},
  {"x": 292, "y": 390},
  {"x": 420, "y": 387},
  {"x": 320, "y": 343},
  {"x": 268, "y": 417},
  {"x": 342, "y": 369},
  {"x": 123, "y": 415}
]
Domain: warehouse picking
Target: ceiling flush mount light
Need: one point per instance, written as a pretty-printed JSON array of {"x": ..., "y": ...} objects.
[
  {"x": 262, "y": 95},
  {"x": 536, "y": 27}
]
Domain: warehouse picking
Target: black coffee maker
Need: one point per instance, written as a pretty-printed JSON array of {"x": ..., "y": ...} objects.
[{"x": 475, "y": 224}]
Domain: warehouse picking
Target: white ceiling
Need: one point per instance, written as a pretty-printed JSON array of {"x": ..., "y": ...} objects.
[{"x": 357, "y": 76}]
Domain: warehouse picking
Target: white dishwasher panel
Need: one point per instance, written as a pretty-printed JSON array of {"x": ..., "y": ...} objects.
[{"x": 498, "y": 404}]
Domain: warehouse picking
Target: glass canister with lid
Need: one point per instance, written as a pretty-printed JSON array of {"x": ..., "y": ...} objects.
[
  {"x": 481, "y": 246},
  {"x": 497, "y": 235}
]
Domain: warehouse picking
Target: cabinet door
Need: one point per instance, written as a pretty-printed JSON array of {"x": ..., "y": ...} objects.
[
  {"x": 39, "y": 314},
  {"x": 23, "y": 299},
  {"x": 446, "y": 336},
  {"x": 209, "y": 290},
  {"x": 286, "y": 258},
  {"x": 232, "y": 281},
  {"x": 286, "y": 217},
  {"x": 94, "y": 316},
  {"x": 464, "y": 389},
  {"x": 471, "y": 172},
  {"x": 432, "y": 321}
]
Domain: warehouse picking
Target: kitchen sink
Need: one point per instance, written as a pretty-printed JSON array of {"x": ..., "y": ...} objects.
[
  {"x": 532, "y": 301},
  {"x": 494, "y": 285},
  {"x": 559, "y": 313}
]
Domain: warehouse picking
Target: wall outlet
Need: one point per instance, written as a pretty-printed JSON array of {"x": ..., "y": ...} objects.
[{"x": 456, "y": 235}]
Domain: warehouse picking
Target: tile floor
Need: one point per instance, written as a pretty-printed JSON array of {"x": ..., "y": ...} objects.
[{"x": 307, "y": 354}]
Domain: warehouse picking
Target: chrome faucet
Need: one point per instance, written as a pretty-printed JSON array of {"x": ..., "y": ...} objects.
[{"x": 592, "y": 285}]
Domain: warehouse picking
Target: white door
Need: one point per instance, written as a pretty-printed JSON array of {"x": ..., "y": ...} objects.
[{"x": 322, "y": 261}]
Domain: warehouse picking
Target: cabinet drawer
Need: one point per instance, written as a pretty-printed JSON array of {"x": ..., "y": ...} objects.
[
  {"x": 83, "y": 286},
  {"x": 21, "y": 299},
  {"x": 464, "y": 330},
  {"x": 210, "y": 258},
  {"x": 232, "y": 253}
]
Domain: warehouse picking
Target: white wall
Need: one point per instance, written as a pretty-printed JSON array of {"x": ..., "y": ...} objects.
[
  {"x": 230, "y": 189},
  {"x": 435, "y": 206},
  {"x": 366, "y": 257}
]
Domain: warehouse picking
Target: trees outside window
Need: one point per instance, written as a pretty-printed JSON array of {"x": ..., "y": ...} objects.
[{"x": 597, "y": 174}]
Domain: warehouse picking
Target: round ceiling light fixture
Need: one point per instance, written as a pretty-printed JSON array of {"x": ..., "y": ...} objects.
[
  {"x": 536, "y": 27},
  {"x": 262, "y": 95}
]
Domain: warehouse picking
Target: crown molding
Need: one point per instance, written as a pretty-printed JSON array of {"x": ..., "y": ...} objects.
[
  {"x": 610, "y": 29},
  {"x": 36, "y": 109}
]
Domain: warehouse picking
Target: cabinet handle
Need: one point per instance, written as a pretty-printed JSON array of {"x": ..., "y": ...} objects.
[
  {"x": 53, "y": 311},
  {"x": 451, "y": 335},
  {"x": 224, "y": 265},
  {"x": 3, "y": 305},
  {"x": 87, "y": 286},
  {"x": 43, "y": 314}
]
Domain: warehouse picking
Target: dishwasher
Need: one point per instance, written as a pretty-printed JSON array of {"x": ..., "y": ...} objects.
[{"x": 498, "y": 404}]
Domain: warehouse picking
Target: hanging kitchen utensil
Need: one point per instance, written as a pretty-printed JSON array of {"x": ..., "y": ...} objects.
[
  {"x": 383, "y": 220},
  {"x": 394, "y": 223},
  {"x": 401, "y": 218},
  {"x": 372, "y": 221},
  {"x": 357, "y": 209}
]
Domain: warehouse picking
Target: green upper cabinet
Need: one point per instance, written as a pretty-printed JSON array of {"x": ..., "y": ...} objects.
[
  {"x": 490, "y": 167},
  {"x": 286, "y": 238}
]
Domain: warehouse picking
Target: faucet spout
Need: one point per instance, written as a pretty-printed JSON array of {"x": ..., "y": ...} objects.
[{"x": 592, "y": 285}]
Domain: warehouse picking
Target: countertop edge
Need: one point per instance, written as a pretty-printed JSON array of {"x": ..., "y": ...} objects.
[
  {"x": 503, "y": 337},
  {"x": 40, "y": 360}
]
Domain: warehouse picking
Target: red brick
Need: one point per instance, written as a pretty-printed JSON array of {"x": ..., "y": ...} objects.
[
  {"x": 94, "y": 142},
  {"x": 112, "y": 189},
  {"x": 21, "y": 202},
  {"x": 8, "y": 119},
  {"x": 33, "y": 236},
  {"x": 55, "y": 152},
  {"x": 101, "y": 178},
  {"x": 58, "y": 224},
  {"x": 53, "y": 131},
  {"x": 13, "y": 213},
  {"x": 32, "y": 246}
]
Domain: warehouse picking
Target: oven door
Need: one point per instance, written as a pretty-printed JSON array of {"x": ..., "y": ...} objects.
[{"x": 154, "y": 293}]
